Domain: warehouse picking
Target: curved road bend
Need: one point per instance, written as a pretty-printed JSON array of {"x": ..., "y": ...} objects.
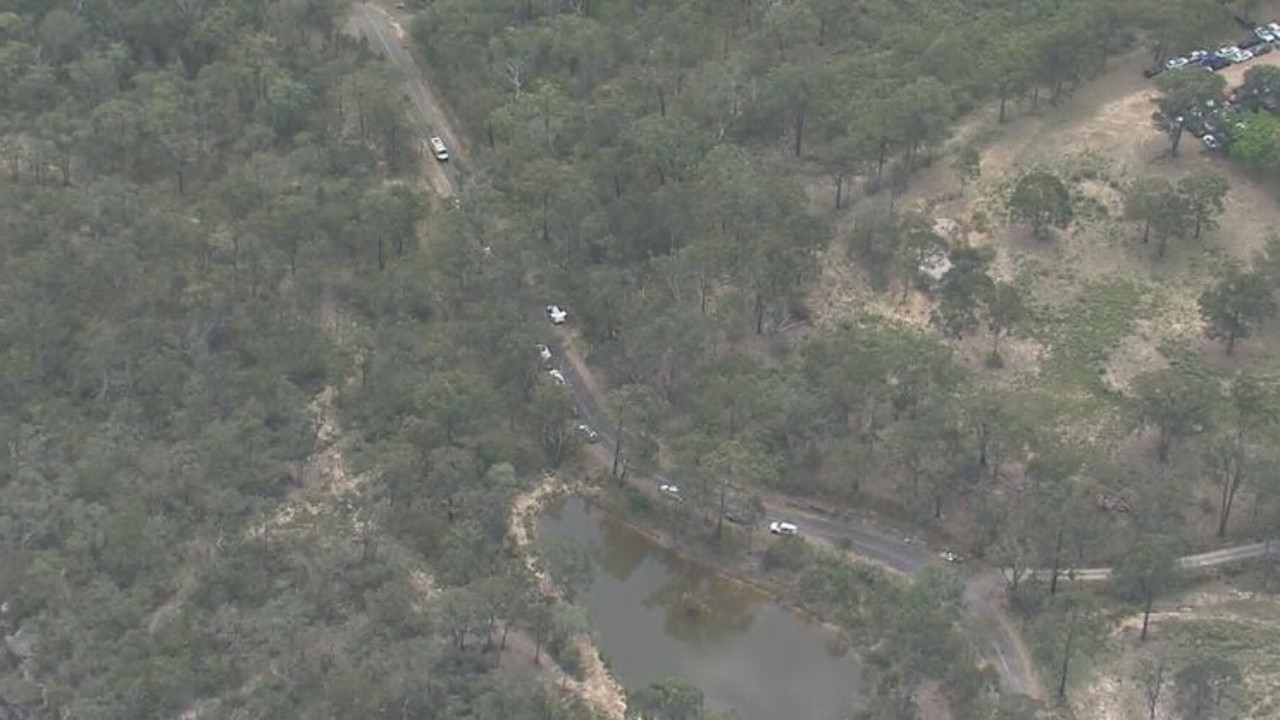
[
  {"x": 1002, "y": 647},
  {"x": 381, "y": 28},
  {"x": 890, "y": 549}
]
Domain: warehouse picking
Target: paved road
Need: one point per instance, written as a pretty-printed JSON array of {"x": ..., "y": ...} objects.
[
  {"x": 876, "y": 544},
  {"x": 891, "y": 549},
  {"x": 1212, "y": 558},
  {"x": 894, "y": 551}
]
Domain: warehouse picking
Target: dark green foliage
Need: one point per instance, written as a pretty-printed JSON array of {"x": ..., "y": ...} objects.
[{"x": 197, "y": 242}]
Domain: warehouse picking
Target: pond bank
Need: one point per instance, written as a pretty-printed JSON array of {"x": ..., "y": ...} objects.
[
  {"x": 658, "y": 616},
  {"x": 598, "y": 689}
]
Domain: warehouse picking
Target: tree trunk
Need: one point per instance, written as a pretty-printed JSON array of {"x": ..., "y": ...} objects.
[
  {"x": 1162, "y": 447},
  {"x": 1054, "y": 569},
  {"x": 1229, "y": 488},
  {"x": 720, "y": 515},
  {"x": 617, "y": 449},
  {"x": 799, "y": 129},
  {"x": 1066, "y": 656},
  {"x": 1146, "y": 616}
]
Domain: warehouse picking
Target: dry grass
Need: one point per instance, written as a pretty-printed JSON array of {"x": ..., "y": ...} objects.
[{"x": 1214, "y": 620}]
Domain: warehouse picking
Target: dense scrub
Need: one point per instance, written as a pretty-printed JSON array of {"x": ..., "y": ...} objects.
[{"x": 203, "y": 235}]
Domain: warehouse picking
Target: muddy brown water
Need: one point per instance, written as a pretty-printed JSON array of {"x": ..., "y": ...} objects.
[{"x": 656, "y": 616}]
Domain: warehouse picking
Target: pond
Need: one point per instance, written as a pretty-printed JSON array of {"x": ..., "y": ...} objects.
[{"x": 656, "y": 617}]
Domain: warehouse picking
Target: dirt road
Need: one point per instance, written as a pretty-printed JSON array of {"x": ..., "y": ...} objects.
[{"x": 389, "y": 35}]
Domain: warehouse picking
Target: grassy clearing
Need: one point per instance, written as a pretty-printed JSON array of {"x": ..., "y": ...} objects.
[
  {"x": 1082, "y": 333},
  {"x": 1045, "y": 636},
  {"x": 1247, "y": 633}
]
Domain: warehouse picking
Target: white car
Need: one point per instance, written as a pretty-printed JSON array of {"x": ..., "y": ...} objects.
[
  {"x": 438, "y": 149},
  {"x": 778, "y": 527},
  {"x": 544, "y": 352},
  {"x": 557, "y": 314},
  {"x": 951, "y": 557},
  {"x": 1264, "y": 34},
  {"x": 557, "y": 377},
  {"x": 670, "y": 490},
  {"x": 1175, "y": 63},
  {"x": 1240, "y": 56}
]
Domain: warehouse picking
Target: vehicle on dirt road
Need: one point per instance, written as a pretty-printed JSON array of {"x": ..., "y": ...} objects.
[
  {"x": 779, "y": 527},
  {"x": 438, "y": 149}
]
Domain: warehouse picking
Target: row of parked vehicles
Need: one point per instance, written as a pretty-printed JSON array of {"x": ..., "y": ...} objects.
[{"x": 1263, "y": 40}]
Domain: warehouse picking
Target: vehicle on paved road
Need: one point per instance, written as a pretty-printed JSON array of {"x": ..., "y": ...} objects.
[{"x": 588, "y": 433}]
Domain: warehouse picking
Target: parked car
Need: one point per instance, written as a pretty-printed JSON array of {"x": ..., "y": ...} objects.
[
  {"x": 557, "y": 314},
  {"x": 1153, "y": 71},
  {"x": 557, "y": 377},
  {"x": 1213, "y": 142},
  {"x": 1245, "y": 22},
  {"x": 438, "y": 149},
  {"x": 1196, "y": 127},
  {"x": 951, "y": 557},
  {"x": 671, "y": 491},
  {"x": 1217, "y": 63},
  {"x": 1240, "y": 56},
  {"x": 544, "y": 352},
  {"x": 1174, "y": 63},
  {"x": 1264, "y": 34},
  {"x": 1250, "y": 42},
  {"x": 778, "y": 527},
  {"x": 588, "y": 433}
]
